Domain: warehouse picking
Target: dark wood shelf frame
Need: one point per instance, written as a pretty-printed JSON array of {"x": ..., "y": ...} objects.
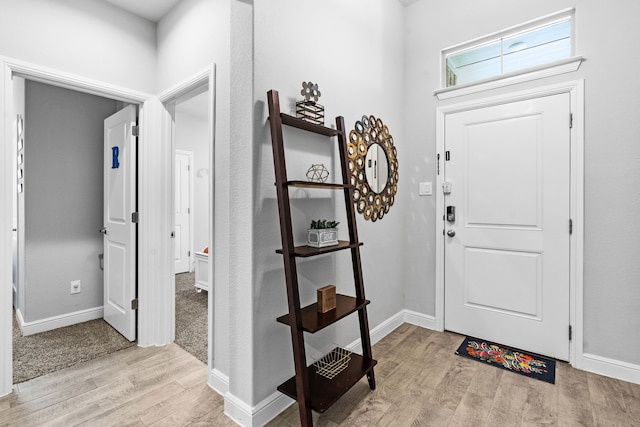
[
  {"x": 312, "y": 391},
  {"x": 312, "y": 321},
  {"x": 310, "y": 127},
  {"x": 325, "y": 392},
  {"x": 308, "y": 251},
  {"x": 319, "y": 185}
]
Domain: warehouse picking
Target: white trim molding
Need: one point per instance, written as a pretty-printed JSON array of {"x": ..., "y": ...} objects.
[
  {"x": 611, "y": 368},
  {"x": 419, "y": 319},
  {"x": 195, "y": 84},
  {"x": 389, "y": 325},
  {"x": 553, "y": 69},
  {"x": 575, "y": 88},
  {"x": 55, "y": 322},
  {"x": 379, "y": 332},
  {"x": 218, "y": 381},
  {"x": 255, "y": 416}
]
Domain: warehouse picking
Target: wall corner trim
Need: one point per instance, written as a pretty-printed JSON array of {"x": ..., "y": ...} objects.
[
  {"x": 420, "y": 319},
  {"x": 248, "y": 416},
  {"x": 218, "y": 381}
]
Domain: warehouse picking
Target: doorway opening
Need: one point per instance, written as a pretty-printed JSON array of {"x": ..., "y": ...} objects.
[
  {"x": 193, "y": 207},
  {"x": 57, "y": 217}
]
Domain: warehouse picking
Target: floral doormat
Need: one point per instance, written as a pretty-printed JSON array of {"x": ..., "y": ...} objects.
[{"x": 511, "y": 359}]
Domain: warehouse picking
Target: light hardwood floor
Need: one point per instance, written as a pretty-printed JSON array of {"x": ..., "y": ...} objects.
[{"x": 420, "y": 383}]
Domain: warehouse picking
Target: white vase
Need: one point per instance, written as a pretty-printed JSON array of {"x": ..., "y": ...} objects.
[{"x": 322, "y": 237}]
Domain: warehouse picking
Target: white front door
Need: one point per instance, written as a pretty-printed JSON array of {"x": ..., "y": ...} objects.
[
  {"x": 507, "y": 246},
  {"x": 183, "y": 210},
  {"x": 119, "y": 228}
]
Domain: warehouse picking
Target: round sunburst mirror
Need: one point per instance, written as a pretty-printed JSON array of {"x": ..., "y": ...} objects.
[{"x": 373, "y": 164}]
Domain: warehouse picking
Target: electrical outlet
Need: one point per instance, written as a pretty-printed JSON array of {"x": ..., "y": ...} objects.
[{"x": 76, "y": 286}]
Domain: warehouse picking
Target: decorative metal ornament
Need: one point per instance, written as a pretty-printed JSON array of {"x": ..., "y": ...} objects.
[
  {"x": 310, "y": 91},
  {"x": 308, "y": 109},
  {"x": 318, "y": 173},
  {"x": 373, "y": 165}
]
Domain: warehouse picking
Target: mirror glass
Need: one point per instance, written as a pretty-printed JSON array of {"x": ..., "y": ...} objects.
[{"x": 376, "y": 168}]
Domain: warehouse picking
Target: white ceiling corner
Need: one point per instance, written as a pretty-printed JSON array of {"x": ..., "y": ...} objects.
[{"x": 151, "y": 10}]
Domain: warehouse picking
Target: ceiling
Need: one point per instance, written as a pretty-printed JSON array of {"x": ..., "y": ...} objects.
[
  {"x": 151, "y": 10},
  {"x": 154, "y": 10}
]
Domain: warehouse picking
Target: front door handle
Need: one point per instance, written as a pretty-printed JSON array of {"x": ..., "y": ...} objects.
[
  {"x": 451, "y": 233},
  {"x": 103, "y": 230}
]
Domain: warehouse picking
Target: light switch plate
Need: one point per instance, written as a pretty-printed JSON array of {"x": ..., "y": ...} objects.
[{"x": 426, "y": 189}]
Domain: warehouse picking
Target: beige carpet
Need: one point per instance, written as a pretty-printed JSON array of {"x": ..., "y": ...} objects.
[
  {"x": 51, "y": 351},
  {"x": 191, "y": 316}
]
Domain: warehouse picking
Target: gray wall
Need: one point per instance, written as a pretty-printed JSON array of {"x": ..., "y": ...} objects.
[
  {"x": 612, "y": 152},
  {"x": 91, "y": 38},
  {"x": 353, "y": 50},
  {"x": 63, "y": 199}
]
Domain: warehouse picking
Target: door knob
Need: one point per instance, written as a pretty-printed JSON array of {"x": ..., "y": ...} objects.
[
  {"x": 103, "y": 230},
  {"x": 451, "y": 233}
]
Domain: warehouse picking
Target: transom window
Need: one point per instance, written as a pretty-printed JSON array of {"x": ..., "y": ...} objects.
[{"x": 524, "y": 47}]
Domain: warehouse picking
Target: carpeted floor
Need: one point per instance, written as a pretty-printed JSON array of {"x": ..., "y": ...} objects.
[
  {"x": 50, "y": 351},
  {"x": 191, "y": 316}
]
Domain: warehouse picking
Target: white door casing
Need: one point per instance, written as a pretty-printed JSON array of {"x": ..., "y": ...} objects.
[
  {"x": 507, "y": 266},
  {"x": 119, "y": 229},
  {"x": 183, "y": 199},
  {"x": 152, "y": 289}
]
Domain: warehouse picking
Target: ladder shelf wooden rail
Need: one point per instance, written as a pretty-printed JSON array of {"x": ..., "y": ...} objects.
[{"x": 312, "y": 390}]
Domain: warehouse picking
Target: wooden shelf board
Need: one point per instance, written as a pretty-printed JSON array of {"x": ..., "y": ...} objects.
[
  {"x": 312, "y": 321},
  {"x": 307, "y": 251},
  {"x": 318, "y": 185},
  {"x": 304, "y": 125},
  {"x": 324, "y": 391}
]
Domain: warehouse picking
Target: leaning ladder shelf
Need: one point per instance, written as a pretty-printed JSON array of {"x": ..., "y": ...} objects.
[{"x": 311, "y": 390}]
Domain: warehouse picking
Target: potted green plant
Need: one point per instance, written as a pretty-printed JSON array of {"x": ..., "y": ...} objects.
[{"x": 322, "y": 233}]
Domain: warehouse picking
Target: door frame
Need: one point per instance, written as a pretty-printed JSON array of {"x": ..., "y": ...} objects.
[
  {"x": 575, "y": 88},
  {"x": 217, "y": 297},
  {"x": 189, "y": 154},
  {"x": 8, "y": 68}
]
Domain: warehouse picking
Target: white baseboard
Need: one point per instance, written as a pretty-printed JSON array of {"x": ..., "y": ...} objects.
[
  {"x": 419, "y": 319},
  {"x": 611, "y": 368},
  {"x": 55, "y": 322},
  {"x": 258, "y": 415},
  {"x": 219, "y": 381},
  {"x": 379, "y": 332}
]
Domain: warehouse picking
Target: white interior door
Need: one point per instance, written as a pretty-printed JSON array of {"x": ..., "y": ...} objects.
[
  {"x": 119, "y": 229},
  {"x": 507, "y": 249},
  {"x": 182, "y": 198}
]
